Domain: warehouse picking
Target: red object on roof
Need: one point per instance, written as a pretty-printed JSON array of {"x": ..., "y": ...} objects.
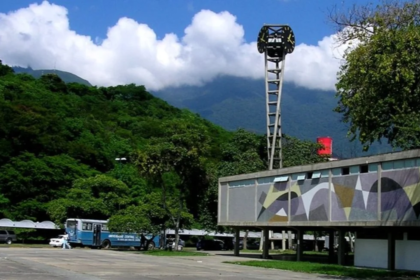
[{"x": 327, "y": 143}]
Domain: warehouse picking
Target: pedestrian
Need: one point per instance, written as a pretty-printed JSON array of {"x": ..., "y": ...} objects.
[
  {"x": 66, "y": 243},
  {"x": 143, "y": 242}
]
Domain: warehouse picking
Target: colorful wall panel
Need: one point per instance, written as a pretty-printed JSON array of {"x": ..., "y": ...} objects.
[{"x": 352, "y": 198}]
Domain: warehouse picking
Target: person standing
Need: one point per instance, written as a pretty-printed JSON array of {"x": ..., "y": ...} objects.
[
  {"x": 143, "y": 242},
  {"x": 66, "y": 243}
]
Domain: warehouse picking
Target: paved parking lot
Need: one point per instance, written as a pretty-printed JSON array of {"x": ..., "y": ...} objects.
[{"x": 79, "y": 264}]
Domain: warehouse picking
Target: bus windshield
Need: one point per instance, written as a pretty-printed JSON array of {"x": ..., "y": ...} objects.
[{"x": 72, "y": 225}]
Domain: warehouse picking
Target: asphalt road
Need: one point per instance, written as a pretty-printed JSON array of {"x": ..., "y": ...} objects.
[{"x": 80, "y": 264}]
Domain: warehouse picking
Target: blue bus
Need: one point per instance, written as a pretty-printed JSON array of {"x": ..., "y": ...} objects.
[{"x": 95, "y": 234}]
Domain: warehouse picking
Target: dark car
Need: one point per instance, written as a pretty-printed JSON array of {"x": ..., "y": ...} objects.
[
  {"x": 7, "y": 236},
  {"x": 214, "y": 244},
  {"x": 307, "y": 245},
  {"x": 253, "y": 245},
  {"x": 250, "y": 244}
]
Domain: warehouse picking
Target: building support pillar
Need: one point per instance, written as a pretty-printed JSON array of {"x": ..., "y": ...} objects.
[
  {"x": 331, "y": 244},
  {"x": 391, "y": 251},
  {"x": 299, "y": 246},
  {"x": 237, "y": 239},
  {"x": 266, "y": 244},
  {"x": 283, "y": 240},
  {"x": 341, "y": 247}
]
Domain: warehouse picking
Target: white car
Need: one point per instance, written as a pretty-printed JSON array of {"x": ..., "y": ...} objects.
[{"x": 58, "y": 241}]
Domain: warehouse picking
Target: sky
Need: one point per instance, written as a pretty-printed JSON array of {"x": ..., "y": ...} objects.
[{"x": 162, "y": 43}]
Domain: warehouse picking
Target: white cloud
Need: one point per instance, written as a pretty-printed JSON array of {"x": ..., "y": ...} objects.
[{"x": 213, "y": 44}]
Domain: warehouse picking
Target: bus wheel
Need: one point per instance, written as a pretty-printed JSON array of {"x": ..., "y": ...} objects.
[
  {"x": 106, "y": 244},
  {"x": 151, "y": 246}
]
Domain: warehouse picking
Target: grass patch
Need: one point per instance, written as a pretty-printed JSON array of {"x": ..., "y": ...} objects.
[
  {"x": 330, "y": 269},
  {"x": 286, "y": 252},
  {"x": 174, "y": 253}
]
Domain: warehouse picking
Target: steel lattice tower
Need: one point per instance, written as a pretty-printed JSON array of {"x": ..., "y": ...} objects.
[
  {"x": 274, "y": 70},
  {"x": 275, "y": 41}
]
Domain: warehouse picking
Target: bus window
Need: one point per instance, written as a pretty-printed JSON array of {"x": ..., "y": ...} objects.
[
  {"x": 104, "y": 227},
  {"x": 86, "y": 226}
]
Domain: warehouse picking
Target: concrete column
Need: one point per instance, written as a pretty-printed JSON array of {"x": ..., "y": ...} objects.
[
  {"x": 283, "y": 240},
  {"x": 391, "y": 251},
  {"x": 331, "y": 246},
  {"x": 237, "y": 238},
  {"x": 299, "y": 246},
  {"x": 271, "y": 233},
  {"x": 266, "y": 244},
  {"x": 341, "y": 247}
]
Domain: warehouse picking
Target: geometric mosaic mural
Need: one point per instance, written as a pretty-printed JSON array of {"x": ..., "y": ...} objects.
[{"x": 353, "y": 198}]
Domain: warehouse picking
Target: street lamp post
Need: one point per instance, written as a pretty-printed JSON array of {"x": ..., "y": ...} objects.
[{"x": 120, "y": 160}]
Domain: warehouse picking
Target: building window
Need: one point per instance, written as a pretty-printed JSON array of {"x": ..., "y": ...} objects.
[
  {"x": 336, "y": 172},
  {"x": 316, "y": 175},
  {"x": 373, "y": 167},
  {"x": 281, "y": 179},
  {"x": 345, "y": 171},
  {"x": 241, "y": 183},
  {"x": 364, "y": 168},
  {"x": 265, "y": 180},
  {"x": 298, "y": 177},
  {"x": 355, "y": 169}
]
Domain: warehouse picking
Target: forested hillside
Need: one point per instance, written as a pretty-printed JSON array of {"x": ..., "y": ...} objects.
[
  {"x": 59, "y": 143},
  {"x": 234, "y": 102},
  {"x": 65, "y": 76}
]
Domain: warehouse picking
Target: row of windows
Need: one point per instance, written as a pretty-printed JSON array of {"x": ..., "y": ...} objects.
[
  {"x": 89, "y": 226},
  {"x": 348, "y": 170}
]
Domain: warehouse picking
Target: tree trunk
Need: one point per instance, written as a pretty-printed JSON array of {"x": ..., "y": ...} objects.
[
  {"x": 316, "y": 241},
  {"x": 177, "y": 234}
]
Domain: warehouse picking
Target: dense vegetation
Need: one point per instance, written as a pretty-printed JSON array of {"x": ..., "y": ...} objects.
[
  {"x": 234, "y": 102},
  {"x": 59, "y": 142},
  {"x": 379, "y": 84}
]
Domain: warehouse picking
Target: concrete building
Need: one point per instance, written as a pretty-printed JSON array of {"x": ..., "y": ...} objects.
[{"x": 377, "y": 197}]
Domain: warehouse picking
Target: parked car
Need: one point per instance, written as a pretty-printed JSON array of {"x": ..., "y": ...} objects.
[
  {"x": 307, "y": 245},
  {"x": 250, "y": 244},
  {"x": 7, "y": 236},
  {"x": 210, "y": 244},
  {"x": 171, "y": 244},
  {"x": 57, "y": 241}
]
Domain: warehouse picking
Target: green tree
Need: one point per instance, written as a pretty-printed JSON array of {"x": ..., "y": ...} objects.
[
  {"x": 379, "y": 83},
  {"x": 5, "y": 70},
  {"x": 148, "y": 217},
  {"x": 96, "y": 197},
  {"x": 174, "y": 164},
  {"x": 300, "y": 152},
  {"x": 28, "y": 183}
]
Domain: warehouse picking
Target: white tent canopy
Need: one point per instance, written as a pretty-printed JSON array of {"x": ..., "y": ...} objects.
[{"x": 28, "y": 224}]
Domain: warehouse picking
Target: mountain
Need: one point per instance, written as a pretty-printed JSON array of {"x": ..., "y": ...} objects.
[
  {"x": 65, "y": 76},
  {"x": 233, "y": 103}
]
